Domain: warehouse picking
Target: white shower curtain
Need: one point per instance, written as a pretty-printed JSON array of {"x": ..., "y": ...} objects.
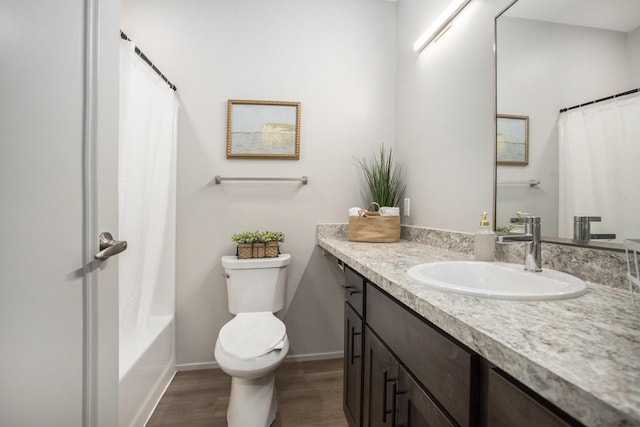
[
  {"x": 599, "y": 167},
  {"x": 147, "y": 174}
]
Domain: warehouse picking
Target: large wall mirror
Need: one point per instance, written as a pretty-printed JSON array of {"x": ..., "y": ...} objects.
[{"x": 552, "y": 55}]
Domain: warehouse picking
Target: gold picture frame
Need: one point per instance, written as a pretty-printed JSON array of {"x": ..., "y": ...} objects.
[
  {"x": 263, "y": 129},
  {"x": 512, "y": 140}
]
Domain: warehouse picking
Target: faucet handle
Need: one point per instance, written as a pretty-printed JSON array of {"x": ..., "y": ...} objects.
[
  {"x": 581, "y": 218},
  {"x": 525, "y": 220}
]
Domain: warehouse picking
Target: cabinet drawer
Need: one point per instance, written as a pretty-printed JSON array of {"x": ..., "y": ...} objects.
[
  {"x": 354, "y": 289},
  {"x": 446, "y": 369},
  {"x": 510, "y": 403}
]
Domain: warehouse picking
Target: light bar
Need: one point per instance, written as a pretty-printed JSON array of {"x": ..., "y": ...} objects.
[{"x": 443, "y": 21}]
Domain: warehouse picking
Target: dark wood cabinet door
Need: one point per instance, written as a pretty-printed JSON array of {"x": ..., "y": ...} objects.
[
  {"x": 415, "y": 407},
  {"x": 381, "y": 372},
  {"x": 352, "y": 366},
  {"x": 391, "y": 396},
  {"x": 511, "y": 404}
]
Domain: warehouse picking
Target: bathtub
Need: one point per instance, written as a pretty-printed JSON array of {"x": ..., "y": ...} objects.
[{"x": 147, "y": 366}]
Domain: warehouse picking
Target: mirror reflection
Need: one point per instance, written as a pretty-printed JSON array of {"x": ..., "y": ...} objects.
[{"x": 583, "y": 162}]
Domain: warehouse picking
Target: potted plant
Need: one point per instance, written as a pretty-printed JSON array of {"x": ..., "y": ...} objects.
[
  {"x": 258, "y": 244},
  {"x": 245, "y": 244},
  {"x": 272, "y": 241},
  {"x": 383, "y": 179},
  {"x": 383, "y": 188}
]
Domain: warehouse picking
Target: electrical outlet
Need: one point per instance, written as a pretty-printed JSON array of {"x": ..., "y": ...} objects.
[{"x": 407, "y": 207}]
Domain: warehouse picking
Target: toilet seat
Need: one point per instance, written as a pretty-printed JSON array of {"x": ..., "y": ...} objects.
[{"x": 251, "y": 335}]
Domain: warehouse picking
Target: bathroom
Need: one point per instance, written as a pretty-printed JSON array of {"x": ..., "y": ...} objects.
[{"x": 350, "y": 64}]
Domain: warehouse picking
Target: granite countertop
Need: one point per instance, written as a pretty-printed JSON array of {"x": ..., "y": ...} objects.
[{"x": 582, "y": 354}]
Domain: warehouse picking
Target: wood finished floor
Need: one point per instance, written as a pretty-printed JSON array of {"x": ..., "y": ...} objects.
[{"x": 309, "y": 394}]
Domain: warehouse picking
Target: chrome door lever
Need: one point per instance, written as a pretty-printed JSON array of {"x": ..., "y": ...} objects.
[{"x": 109, "y": 246}]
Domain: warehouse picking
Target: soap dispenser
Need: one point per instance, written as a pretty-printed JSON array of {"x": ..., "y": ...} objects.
[{"x": 484, "y": 245}]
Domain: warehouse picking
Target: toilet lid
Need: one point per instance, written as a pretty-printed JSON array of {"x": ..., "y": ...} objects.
[{"x": 250, "y": 335}]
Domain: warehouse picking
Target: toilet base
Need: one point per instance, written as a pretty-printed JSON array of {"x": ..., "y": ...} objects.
[{"x": 253, "y": 402}]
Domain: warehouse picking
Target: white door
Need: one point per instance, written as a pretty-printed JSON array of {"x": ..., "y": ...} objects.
[{"x": 58, "y": 190}]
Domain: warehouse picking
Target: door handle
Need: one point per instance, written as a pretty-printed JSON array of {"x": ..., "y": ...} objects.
[
  {"x": 385, "y": 381},
  {"x": 109, "y": 246},
  {"x": 353, "y": 342},
  {"x": 350, "y": 289}
]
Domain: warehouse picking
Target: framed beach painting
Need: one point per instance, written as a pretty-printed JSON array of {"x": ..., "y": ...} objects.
[
  {"x": 512, "y": 140},
  {"x": 263, "y": 129}
]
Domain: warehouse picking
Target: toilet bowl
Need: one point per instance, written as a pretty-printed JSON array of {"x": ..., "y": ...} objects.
[
  {"x": 252, "y": 402},
  {"x": 254, "y": 343},
  {"x": 251, "y": 345}
]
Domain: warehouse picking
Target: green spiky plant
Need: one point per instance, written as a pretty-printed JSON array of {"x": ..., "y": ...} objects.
[{"x": 383, "y": 179}]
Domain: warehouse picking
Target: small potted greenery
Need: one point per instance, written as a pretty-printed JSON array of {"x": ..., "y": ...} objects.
[
  {"x": 258, "y": 244},
  {"x": 272, "y": 241},
  {"x": 245, "y": 244}
]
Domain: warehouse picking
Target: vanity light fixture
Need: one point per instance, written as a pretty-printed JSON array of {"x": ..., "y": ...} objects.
[{"x": 441, "y": 25}]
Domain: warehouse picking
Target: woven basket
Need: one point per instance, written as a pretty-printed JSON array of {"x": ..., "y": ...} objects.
[
  {"x": 271, "y": 249},
  {"x": 258, "y": 250},
  {"x": 369, "y": 226},
  {"x": 244, "y": 250}
]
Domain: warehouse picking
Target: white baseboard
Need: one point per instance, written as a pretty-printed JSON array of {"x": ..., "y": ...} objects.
[
  {"x": 314, "y": 356},
  {"x": 290, "y": 358},
  {"x": 196, "y": 366}
]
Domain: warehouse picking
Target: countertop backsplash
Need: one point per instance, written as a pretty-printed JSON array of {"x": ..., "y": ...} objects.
[{"x": 602, "y": 266}]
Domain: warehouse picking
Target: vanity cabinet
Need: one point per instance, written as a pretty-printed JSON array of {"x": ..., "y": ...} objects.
[{"x": 401, "y": 370}]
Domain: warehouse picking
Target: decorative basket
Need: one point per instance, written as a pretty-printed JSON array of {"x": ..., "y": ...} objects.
[
  {"x": 369, "y": 226},
  {"x": 258, "y": 250},
  {"x": 244, "y": 250},
  {"x": 271, "y": 249}
]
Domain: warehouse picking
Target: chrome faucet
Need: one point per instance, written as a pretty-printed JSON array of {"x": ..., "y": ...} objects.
[
  {"x": 531, "y": 239},
  {"x": 582, "y": 227}
]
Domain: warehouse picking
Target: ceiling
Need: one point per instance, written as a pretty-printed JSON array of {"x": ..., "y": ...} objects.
[{"x": 616, "y": 15}]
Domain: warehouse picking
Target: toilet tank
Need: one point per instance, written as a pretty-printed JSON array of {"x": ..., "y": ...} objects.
[{"x": 256, "y": 284}]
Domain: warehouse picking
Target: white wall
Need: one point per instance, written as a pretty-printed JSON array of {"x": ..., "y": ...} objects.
[
  {"x": 334, "y": 56},
  {"x": 633, "y": 47},
  {"x": 543, "y": 67}
]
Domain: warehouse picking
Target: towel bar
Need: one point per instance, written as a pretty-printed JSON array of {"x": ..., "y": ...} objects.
[{"x": 218, "y": 179}]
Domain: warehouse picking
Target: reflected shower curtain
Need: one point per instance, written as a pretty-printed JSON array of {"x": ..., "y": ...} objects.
[
  {"x": 147, "y": 174},
  {"x": 600, "y": 167}
]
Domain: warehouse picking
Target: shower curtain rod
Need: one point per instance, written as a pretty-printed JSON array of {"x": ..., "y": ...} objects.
[
  {"x": 629, "y": 92},
  {"x": 146, "y": 59}
]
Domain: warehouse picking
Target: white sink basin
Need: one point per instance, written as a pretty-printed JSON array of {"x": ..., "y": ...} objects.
[{"x": 497, "y": 280}]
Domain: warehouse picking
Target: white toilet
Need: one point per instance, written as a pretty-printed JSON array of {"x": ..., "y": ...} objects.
[{"x": 253, "y": 344}]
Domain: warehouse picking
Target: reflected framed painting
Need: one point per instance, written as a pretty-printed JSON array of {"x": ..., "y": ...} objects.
[
  {"x": 263, "y": 129},
  {"x": 512, "y": 140}
]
